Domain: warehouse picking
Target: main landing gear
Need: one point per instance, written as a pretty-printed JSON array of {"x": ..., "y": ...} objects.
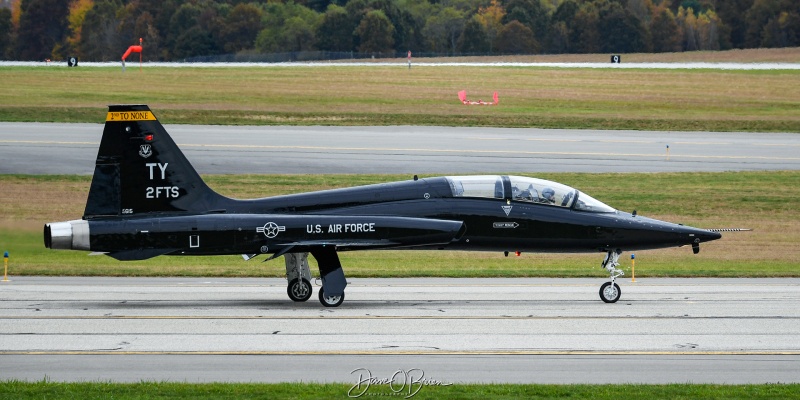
[
  {"x": 610, "y": 291},
  {"x": 331, "y": 294},
  {"x": 299, "y": 276}
]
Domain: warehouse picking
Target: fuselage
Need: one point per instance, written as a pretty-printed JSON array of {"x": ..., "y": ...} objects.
[
  {"x": 492, "y": 224},
  {"x": 410, "y": 214}
]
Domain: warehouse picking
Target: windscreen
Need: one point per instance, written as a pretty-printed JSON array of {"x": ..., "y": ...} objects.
[{"x": 532, "y": 190}]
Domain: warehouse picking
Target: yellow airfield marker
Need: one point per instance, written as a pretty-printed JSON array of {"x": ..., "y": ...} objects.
[
  {"x": 633, "y": 269},
  {"x": 5, "y": 267}
]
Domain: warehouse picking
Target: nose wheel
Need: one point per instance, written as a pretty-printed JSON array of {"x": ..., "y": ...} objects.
[
  {"x": 610, "y": 291},
  {"x": 329, "y": 301}
]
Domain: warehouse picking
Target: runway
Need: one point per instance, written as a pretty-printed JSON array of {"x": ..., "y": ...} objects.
[
  {"x": 455, "y": 330},
  {"x": 72, "y": 148}
]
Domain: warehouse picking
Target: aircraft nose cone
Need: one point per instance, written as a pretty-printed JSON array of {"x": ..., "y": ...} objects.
[
  {"x": 698, "y": 235},
  {"x": 707, "y": 236}
]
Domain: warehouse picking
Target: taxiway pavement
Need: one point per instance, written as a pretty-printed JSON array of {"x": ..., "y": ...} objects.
[
  {"x": 456, "y": 330},
  {"x": 72, "y": 148},
  {"x": 472, "y": 330}
]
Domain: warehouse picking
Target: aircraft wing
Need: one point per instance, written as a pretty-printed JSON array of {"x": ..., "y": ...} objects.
[{"x": 378, "y": 232}]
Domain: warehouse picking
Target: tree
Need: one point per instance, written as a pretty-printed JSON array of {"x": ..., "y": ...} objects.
[
  {"x": 733, "y": 13},
  {"x": 183, "y": 20},
  {"x": 641, "y": 9},
  {"x": 241, "y": 27},
  {"x": 621, "y": 31},
  {"x": 42, "y": 25},
  {"x": 443, "y": 29},
  {"x": 491, "y": 18},
  {"x": 297, "y": 35},
  {"x": 516, "y": 38},
  {"x": 335, "y": 32},
  {"x": 407, "y": 31},
  {"x": 100, "y": 39},
  {"x": 320, "y": 5},
  {"x": 77, "y": 14},
  {"x": 782, "y": 31},
  {"x": 162, "y": 12},
  {"x": 664, "y": 31},
  {"x": 474, "y": 39},
  {"x": 756, "y": 18},
  {"x": 6, "y": 29},
  {"x": 688, "y": 25},
  {"x": 531, "y": 13},
  {"x": 773, "y": 23},
  {"x": 560, "y": 27},
  {"x": 138, "y": 22},
  {"x": 194, "y": 42},
  {"x": 585, "y": 32},
  {"x": 145, "y": 28},
  {"x": 288, "y": 27},
  {"x": 708, "y": 31},
  {"x": 375, "y": 33}
]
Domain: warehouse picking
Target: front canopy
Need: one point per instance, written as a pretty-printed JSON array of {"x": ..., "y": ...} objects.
[{"x": 525, "y": 189}]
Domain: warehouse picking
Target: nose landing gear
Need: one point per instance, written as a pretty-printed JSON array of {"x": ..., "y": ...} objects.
[{"x": 610, "y": 291}]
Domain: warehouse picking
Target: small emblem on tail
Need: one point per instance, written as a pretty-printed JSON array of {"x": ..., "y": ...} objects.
[{"x": 145, "y": 150}]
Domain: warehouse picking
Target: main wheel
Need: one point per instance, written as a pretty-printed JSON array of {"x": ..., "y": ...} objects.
[
  {"x": 299, "y": 289},
  {"x": 610, "y": 294},
  {"x": 330, "y": 301}
]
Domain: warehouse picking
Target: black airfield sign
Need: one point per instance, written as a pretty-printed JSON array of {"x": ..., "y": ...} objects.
[{"x": 147, "y": 200}]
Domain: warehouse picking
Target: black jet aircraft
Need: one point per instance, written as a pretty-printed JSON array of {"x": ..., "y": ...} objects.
[{"x": 147, "y": 200}]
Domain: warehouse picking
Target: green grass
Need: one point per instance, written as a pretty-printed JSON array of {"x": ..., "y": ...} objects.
[
  {"x": 713, "y": 100},
  {"x": 698, "y": 199},
  {"x": 153, "y": 390}
]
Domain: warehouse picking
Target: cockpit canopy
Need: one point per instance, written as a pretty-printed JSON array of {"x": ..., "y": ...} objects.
[{"x": 520, "y": 188}]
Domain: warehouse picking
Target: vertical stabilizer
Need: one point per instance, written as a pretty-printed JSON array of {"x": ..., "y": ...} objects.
[{"x": 139, "y": 169}]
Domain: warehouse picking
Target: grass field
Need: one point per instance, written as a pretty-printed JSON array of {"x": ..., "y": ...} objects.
[
  {"x": 152, "y": 390},
  {"x": 764, "y": 201},
  {"x": 530, "y": 97},
  {"x": 641, "y": 99}
]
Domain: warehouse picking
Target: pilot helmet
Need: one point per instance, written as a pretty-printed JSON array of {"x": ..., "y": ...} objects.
[{"x": 549, "y": 194}]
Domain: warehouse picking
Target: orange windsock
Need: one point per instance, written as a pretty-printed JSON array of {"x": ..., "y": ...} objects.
[{"x": 132, "y": 49}]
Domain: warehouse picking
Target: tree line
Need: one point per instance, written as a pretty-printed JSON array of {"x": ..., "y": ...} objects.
[{"x": 101, "y": 30}]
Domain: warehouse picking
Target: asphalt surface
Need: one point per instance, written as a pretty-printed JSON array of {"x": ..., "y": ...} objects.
[
  {"x": 518, "y": 330},
  {"x": 452, "y": 330},
  {"x": 47, "y": 148}
]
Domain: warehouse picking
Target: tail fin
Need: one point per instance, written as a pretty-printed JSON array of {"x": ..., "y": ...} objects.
[{"x": 139, "y": 169}]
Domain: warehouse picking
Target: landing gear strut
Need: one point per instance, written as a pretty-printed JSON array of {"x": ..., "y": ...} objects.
[{"x": 610, "y": 291}]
